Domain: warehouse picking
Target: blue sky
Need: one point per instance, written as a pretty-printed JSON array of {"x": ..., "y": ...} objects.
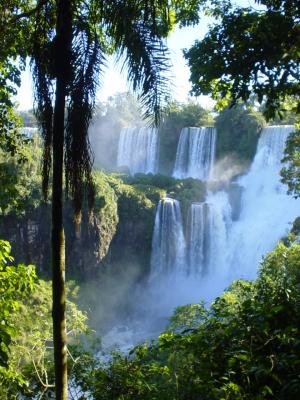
[{"x": 114, "y": 81}]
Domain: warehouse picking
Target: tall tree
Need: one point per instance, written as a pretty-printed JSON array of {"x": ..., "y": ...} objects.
[
  {"x": 68, "y": 41},
  {"x": 71, "y": 59},
  {"x": 71, "y": 40}
]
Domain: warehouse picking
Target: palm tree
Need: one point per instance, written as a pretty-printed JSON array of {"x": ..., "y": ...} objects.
[{"x": 70, "y": 42}]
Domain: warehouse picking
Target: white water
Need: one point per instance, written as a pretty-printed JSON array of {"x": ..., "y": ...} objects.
[
  {"x": 196, "y": 238},
  {"x": 168, "y": 243},
  {"x": 220, "y": 249},
  {"x": 267, "y": 211},
  {"x": 138, "y": 150},
  {"x": 208, "y": 224},
  {"x": 218, "y": 225},
  {"x": 217, "y": 248},
  {"x": 195, "y": 153}
]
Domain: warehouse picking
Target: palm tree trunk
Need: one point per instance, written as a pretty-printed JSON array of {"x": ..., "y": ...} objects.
[
  {"x": 62, "y": 66},
  {"x": 58, "y": 249}
]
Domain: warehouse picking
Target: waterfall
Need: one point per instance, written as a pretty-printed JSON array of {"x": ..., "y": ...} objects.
[
  {"x": 222, "y": 243},
  {"x": 195, "y": 153},
  {"x": 271, "y": 146},
  {"x": 218, "y": 227},
  {"x": 266, "y": 210},
  {"x": 138, "y": 149},
  {"x": 208, "y": 227},
  {"x": 226, "y": 236},
  {"x": 196, "y": 237},
  {"x": 168, "y": 243}
]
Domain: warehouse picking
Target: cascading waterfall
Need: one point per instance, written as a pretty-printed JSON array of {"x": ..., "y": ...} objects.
[
  {"x": 195, "y": 153},
  {"x": 196, "y": 238},
  {"x": 168, "y": 243},
  {"x": 222, "y": 248},
  {"x": 221, "y": 244},
  {"x": 138, "y": 149},
  {"x": 218, "y": 225},
  {"x": 271, "y": 146},
  {"x": 208, "y": 225},
  {"x": 266, "y": 210}
]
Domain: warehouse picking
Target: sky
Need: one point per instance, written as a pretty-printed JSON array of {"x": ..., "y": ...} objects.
[{"x": 114, "y": 80}]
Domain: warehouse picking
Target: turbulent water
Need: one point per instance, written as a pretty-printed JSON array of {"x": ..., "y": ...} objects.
[
  {"x": 168, "y": 243},
  {"x": 218, "y": 244},
  {"x": 267, "y": 211},
  {"x": 220, "y": 248},
  {"x": 138, "y": 150},
  {"x": 197, "y": 244},
  {"x": 195, "y": 153}
]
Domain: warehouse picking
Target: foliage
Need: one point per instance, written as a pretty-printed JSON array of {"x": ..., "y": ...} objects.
[
  {"x": 185, "y": 190},
  {"x": 287, "y": 116},
  {"x": 104, "y": 217},
  {"x": 26, "y": 360},
  {"x": 159, "y": 181},
  {"x": 245, "y": 346},
  {"x": 16, "y": 283},
  {"x": 296, "y": 228},
  {"x": 136, "y": 211},
  {"x": 290, "y": 173},
  {"x": 14, "y": 42},
  {"x": 177, "y": 117},
  {"x": 238, "y": 131},
  {"x": 245, "y": 53},
  {"x": 31, "y": 350},
  {"x": 121, "y": 108},
  {"x": 21, "y": 181}
]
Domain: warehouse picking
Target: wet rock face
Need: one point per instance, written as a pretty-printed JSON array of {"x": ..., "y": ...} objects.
[
  {"x": 131, "y": 246},
  {"x": 30, "y": 237},
  {"x": 102, "y": 239}
]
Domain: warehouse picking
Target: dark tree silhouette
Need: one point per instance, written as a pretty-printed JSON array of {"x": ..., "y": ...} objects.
[
  {"x": 249, "y": 51},
  {"x": 70, "y": 41}
]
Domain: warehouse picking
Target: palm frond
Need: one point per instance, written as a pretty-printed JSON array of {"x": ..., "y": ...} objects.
[
  {"x": 41, "y": 54},
  {"x": 88, "y": 59},
  {"x": 139, "y": 40}
]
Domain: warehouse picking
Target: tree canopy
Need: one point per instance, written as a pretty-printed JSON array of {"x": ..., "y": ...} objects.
[
  {"x": 290, "y": 173},
  {"x": 249, "y": 51}
]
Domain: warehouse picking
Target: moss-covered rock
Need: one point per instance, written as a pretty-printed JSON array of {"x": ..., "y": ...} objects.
[
  {"x": 158, "y": 186},
  {"x": 131, "y": 245}
]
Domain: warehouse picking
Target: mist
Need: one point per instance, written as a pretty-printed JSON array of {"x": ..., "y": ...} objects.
[
  {"x": 229, "y": 167},
  {"x": 109, "y": 118}
]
